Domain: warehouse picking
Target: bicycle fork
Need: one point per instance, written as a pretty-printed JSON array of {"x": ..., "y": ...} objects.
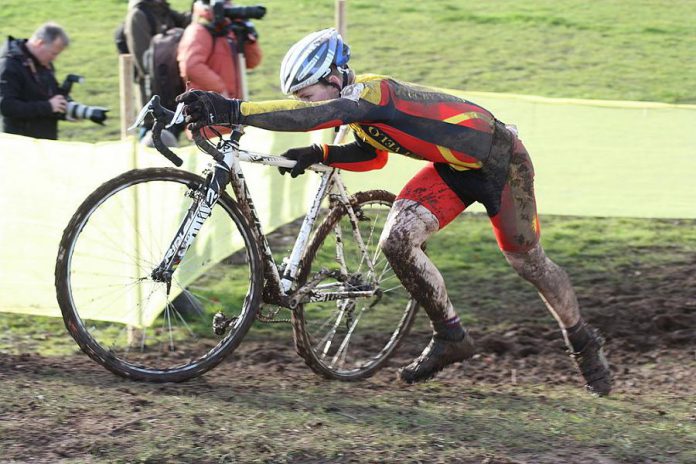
[{"x": 203, "y": 202}]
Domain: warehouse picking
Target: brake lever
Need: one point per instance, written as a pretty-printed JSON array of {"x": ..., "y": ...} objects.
[
  {"x": 142, "y": 114},
  {"x": 178, "y": 117},
  {"x": 161, "y": 115}
]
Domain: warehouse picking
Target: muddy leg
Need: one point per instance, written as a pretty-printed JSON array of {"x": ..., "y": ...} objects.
[
  {"x": 550, "y": 280},
  {"x": 408, "y": 227},
  {"x": 557, "y": 292}
]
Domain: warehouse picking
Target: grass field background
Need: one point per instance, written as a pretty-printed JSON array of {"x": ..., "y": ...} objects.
[
  {"x": 619, "y": 50},
  {"x": 562, "y": 49},
  {"x": 70, "y": 409}
]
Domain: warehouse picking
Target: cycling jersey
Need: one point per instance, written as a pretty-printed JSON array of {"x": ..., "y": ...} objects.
[
  {"x": 389, "y": 116},
  {"x": 469, "y": 149}
]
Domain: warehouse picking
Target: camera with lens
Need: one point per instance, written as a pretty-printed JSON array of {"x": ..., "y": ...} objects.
[
  {"x": 239, "y": 16},
  {"x": 243, "y": 12},
  {"x": 77, "y": 111},
  {"x": 240, "y": 13}
]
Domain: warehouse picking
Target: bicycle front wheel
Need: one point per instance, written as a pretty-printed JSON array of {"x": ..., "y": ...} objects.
[
  {"x": 351, "y": 338},
  {"x": 128, "y": 322}
]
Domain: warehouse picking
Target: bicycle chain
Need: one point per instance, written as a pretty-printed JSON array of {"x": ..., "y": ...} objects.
[{"x": 270, "y": 318}]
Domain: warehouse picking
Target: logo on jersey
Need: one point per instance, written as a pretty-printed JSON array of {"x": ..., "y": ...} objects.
[{"x": 378, "y": 139}]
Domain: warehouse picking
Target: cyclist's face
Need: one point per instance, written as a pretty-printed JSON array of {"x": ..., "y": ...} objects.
[{"x": 317, "y": 92}]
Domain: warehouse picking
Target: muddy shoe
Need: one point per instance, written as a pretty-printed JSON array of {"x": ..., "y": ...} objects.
[
  {"x": 593, "y": 366},
  {"x": 436, "y": 356}
]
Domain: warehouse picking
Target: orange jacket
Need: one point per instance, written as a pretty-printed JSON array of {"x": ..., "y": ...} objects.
[{"x": 210, "y": 63}]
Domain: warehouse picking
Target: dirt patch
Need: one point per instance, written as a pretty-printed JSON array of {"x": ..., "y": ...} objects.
[{"x": 649, "y": 321}]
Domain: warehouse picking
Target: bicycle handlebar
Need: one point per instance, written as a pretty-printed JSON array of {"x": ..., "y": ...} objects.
[
  {"x": 165, "y": 118},
  {"x": 162, "y": 116},
  {"x": 161, "y": 147}
]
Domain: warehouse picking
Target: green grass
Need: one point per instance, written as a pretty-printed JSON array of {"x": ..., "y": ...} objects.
[
  {"x": 614, "y": 50},
  {"x": 585, "y": 247},
  {"x": 276, "y": 417},
  {"x": 469, "y": 258},
  {"x": 599, "y": 50}
]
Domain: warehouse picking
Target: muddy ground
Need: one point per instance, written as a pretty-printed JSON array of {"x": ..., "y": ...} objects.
[{"x": 649, "y": 322}]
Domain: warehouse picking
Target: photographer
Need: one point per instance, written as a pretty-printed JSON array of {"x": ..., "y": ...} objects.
[
  {"x": 208, "y": 50},
  {"x": 31, "y": 101}
]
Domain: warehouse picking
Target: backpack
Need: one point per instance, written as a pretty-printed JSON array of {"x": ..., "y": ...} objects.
[{"x": 162, "y": 68}]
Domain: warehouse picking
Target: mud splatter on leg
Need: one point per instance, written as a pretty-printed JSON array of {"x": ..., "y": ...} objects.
[
  {"x": 409, "y": 225},
  {"x": 550, "y": 280}
]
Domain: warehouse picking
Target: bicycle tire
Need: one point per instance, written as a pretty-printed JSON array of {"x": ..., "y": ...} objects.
[
  {"x": 101, "y": 274},
  {"x": 381, "y": 331}
]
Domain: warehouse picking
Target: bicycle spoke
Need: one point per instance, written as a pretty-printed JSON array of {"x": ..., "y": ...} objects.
[
  {"x": 353, "y": 340},
  {"x": 128, "y": 322},
  {"x": 342, "y": 350},
  {"x": 328, "y": 338}
]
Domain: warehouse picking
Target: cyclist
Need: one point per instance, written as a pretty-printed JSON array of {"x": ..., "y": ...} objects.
[{"x": 470, "y": 155}]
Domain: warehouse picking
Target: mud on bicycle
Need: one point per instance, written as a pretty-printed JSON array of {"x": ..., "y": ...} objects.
[{"x": 161, "y": 272}]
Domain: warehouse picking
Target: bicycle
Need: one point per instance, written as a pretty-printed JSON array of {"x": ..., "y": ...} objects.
[{"x": 142, "y": 304}]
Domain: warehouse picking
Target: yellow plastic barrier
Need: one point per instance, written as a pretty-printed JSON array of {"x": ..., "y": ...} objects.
[
  {"x": 43, "y": 183},
  {"x": 592, "y": 158}
]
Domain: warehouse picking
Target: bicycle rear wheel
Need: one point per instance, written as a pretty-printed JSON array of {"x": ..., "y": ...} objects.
[
  {"x": 350, "y": 339},
  {"x": 131, "y": 324}
]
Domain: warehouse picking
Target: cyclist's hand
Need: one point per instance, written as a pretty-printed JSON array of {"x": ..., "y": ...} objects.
[
  {"x": 305, "y": 157},
  {"x": 209, "y": 109}
]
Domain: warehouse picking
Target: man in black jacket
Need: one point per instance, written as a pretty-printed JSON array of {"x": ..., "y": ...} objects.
[{"x": 30, "y": 102}]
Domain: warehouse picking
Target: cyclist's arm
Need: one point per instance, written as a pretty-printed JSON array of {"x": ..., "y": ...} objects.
[
  {"x": 358, "y": 156},
  {"x": 298, "y": 116}
]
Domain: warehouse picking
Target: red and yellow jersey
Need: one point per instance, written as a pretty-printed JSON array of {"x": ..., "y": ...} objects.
[{"x": 393, "y": 116}]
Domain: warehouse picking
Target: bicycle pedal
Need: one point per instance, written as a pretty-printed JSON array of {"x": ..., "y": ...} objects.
[{"x": 221, "y": 322}]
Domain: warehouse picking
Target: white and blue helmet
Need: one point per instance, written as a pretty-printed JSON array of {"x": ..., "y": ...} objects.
[{"x": 309, "y": 60}]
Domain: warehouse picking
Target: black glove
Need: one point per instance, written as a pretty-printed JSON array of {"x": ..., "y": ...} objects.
[
  {"x": 305, "y": 157},
  {"x": 209, "y": 109}
]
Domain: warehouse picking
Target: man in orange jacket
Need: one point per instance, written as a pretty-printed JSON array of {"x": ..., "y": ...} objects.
[{"x": 208, "y": 50}]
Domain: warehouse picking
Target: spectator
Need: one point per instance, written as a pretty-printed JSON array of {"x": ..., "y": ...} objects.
[
  {"x": 30, "y": 102},
  {"x": 208, "y": 51},
  {"x": 146, "y": 18}
]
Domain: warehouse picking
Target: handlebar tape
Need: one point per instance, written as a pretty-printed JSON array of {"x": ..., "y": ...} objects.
[{"x": 161, "y": 147}]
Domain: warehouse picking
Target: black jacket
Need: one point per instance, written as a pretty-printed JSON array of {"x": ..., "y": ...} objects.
[{"x": 25, "y": 88}]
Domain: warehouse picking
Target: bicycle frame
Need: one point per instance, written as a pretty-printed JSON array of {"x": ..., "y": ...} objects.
[
  {"x": 279, "y": 289},
  {"x": 165, "y": 297}
]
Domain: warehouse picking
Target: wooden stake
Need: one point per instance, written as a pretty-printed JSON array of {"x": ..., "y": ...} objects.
[
  {"x": 125, "y": 72},
  {"x": 341, "y": 21}
]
